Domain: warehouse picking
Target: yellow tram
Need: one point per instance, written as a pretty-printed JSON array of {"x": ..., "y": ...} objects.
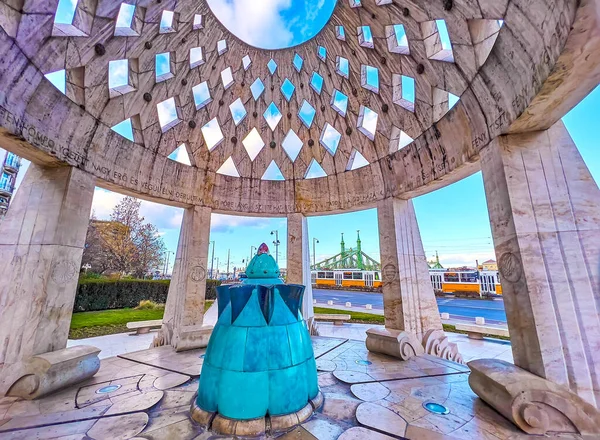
[
  {"x": 479, "y": 282},
  {"x": 346, "y": 278}
]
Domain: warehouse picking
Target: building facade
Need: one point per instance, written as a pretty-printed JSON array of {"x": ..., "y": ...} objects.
[{"x": 9, "y": 168}]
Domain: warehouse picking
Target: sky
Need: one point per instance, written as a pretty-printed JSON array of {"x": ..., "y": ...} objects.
[{"x": 453, "y": 220}]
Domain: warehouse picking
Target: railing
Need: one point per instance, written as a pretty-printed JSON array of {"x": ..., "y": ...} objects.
[{"x": 12, "y": 161}]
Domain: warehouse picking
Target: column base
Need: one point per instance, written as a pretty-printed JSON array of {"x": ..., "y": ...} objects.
[
  {"x": 49, "y": 372},
  {"x": 254, "y": 427},
  {"x": 436, "y": 343},
  {"x": 184, "y": 340},
  {"x": 396, "y": 343},
  {"x": 533, "y": 404}
]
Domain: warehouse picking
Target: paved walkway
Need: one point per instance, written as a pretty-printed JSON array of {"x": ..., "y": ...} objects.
[{"x": 121, "y": 343}]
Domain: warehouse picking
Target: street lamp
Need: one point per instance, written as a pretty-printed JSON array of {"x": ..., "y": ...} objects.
[
  {"x": 212, "y": 261},
  {"x": 251, "y": 254},
  {"x": 315, "y": 240},
  {"x": 276, "y": 243},
  {"x": 217, "y": 268}
]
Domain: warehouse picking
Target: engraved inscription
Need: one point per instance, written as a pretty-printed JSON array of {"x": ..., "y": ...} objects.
[
  {"x": 64, "y": 271},
  {"x": 198, "y": 273},
  {"x": 390, "y": 273},
  {"x": 510, "y": 267}
]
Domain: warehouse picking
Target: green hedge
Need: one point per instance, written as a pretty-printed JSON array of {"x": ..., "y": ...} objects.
[{"x": 104, "y": 294}]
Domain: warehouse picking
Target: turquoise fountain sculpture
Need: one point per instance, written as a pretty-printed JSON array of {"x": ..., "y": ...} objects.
[{"x": 259, "y": 371}]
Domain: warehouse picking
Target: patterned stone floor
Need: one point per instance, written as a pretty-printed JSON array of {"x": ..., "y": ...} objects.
[{"x": 147, "y": 395}]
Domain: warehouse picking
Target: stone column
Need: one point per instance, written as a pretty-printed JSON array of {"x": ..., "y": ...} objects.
[
  {"x": 409, "y": 301},
  {"x": 184, "y": 311},
  {"x": 544, "y": 209},
  {"x": 298, "y": 260},
  {"x": 41, "y": 245},
  {"x": 412, "y": 319}
]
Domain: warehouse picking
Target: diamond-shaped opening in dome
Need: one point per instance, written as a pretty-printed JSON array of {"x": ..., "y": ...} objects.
[
  {"x": 339, "y": 102},
  {"x": 443, "y": 101},
  {"x": 164, "y": 67},
  {"x": 292, "y": 145},
  {"x": 196, "y": 57},
  {"x": 322, "y": 53},
  {"x": 272, "y": 172},
  {"x": 369, "y": 78},
  {"x": 257, "y": 88},
  {"x": 128, "y": 24},
  {"x": 272, "y": 115},
  {"x": 125, "y": 129},
  {"x": 437, "y": 41},
  {"x": 168, "y": 114},
  {"x": 221, "y": 47},
  {"x": 340, "y": 33},
  {"x": 397, "y": 40},
  {"x": 272, "y": 66},
  {"x": 316, "y": 82},
  {"x": 367, "y": 122},
  {"x": 330, "y": 138},
  {"x": 198, "y": 22},
  {"x": 227, "y": 78},
  {"x": 307, "y": 113},
  {"x": 355, "y": 3},
  {"x": 342, "y": 67},
  {"x": 404, "y": 91},
  {"x": 253, "y": 143},
  {"x": 213, "y": 136},
  {"x": 365, "y": 37},
  {"x": 356, "y": 161},
  {"x": 238, "y": 111},
  {"x": 314, "y": 170},
  {"x": 72, "y": 18},
  {"x": 180, "y": 155},
  {"x": 168, "y": 22},
  {"x": 228, "y": 168},
  {"x": 452, "y": 100},
  {"x": 298, "y": 62},
  {"x": 399, "y": 139},
  {"x": 484, "y": 33},
  {"x": 246, "y": 62},
  {"x": 287, "y": 89},
  {"x": 58, "y": 80},
  {"x": 201, "y": 94},
  {"x": 121, "y": 79}
]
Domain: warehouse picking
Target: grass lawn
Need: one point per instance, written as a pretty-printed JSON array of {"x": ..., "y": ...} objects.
[{"x": 108, "y": 322}]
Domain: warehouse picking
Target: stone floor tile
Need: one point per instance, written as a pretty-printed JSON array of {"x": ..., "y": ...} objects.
[
  {"x": 370, "y": 392},
  {"x": 138, "y": 402},
  {"x": 170, "y": 380},
  {"x": 23, "y": 422},
  {"x": 359, "y": 433},
  {"x": 380, "y": 418},
  {"x": 340, "y": 406},
  {"x": 118, "y": 427},
  {"x": 50, "y": 432},
  {"x": 323, "y": 429}
]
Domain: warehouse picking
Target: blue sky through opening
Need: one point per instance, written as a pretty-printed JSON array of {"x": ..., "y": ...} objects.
[{"x": 273, "y": 24}]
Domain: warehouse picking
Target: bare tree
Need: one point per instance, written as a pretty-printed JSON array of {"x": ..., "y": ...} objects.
[{"x": 125, "y": 243}]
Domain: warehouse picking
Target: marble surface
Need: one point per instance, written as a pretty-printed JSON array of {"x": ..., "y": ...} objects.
[{"x": 386, "y": 402}]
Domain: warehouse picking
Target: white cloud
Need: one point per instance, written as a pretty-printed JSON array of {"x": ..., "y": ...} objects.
[
  {"x": 257, "y": 22},
  {"x": 162, "y": 216},
  {"x": 228, "y": 223}
]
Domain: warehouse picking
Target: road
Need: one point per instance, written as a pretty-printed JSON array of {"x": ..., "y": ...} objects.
[{"x": 462, "y": 309}]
